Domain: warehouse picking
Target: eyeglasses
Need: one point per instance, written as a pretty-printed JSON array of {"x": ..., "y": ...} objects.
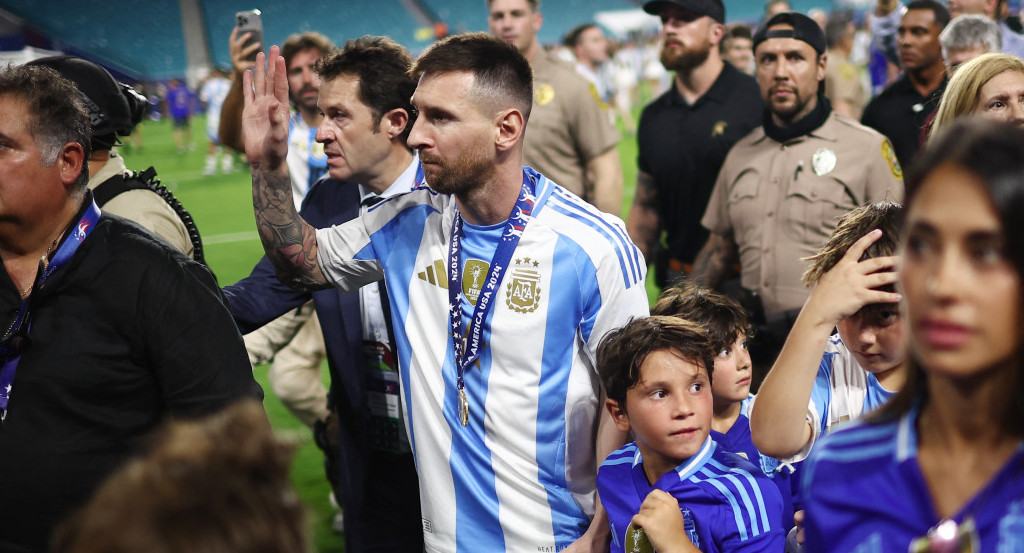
[{"x": 948, "y": 536}]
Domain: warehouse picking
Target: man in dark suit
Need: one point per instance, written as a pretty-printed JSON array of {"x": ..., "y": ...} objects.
[{"x": 364, "y": 96}]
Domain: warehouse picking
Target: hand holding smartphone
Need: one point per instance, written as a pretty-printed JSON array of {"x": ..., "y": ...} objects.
[{"x": 250, "y": 22}]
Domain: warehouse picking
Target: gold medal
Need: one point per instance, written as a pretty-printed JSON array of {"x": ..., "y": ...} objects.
[
  {"x": 463, "y": 408},
  {"x": 637, "y": 540}
]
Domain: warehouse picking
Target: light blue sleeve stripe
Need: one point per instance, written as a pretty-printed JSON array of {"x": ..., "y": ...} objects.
[
  {"x": 762, "y": 509},
  {"x": 627, "y": 252},
  {"x": 619, "y": 461},
  {"x": 740, "y": 525},
  {"x": 619, "y": 232},
  {"x": 562, "y": 318},
  {"x": 821, "y": 394},
  {"x": 750, "y": 512}
]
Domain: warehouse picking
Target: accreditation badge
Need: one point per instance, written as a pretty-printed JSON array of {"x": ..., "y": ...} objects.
[{"x": 823, "y": 161}]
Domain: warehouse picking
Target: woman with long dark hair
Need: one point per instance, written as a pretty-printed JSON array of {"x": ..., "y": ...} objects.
[{"x": 941, "y": 467}]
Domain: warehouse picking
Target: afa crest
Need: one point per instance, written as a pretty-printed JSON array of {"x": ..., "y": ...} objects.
[{"x": 522, "y": 293}]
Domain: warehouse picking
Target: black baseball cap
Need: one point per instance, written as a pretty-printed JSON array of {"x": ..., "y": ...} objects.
[
  {"x": 711, "y": 8},
  {"x": 110, "y": 112},
  {"x": 804, "y": 29}
]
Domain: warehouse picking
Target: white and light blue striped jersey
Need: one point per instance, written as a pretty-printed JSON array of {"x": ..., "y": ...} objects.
[
  {"x": 213, "y": 93},
  {"x": 865, "y": 493},
  {"x": 843, "y": 390},
  {"x": 521, "y": 475},
  {"x": 728, "y": 504},
  {"x": 306, "y": 159}
]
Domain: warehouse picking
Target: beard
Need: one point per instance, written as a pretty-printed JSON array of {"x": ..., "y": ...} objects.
[
  {"x": 793, "y": 111},
  {"x": 300, "y": 102},
  {"x": 459, "y": 176},
  {"x": 684, "y": 59}
]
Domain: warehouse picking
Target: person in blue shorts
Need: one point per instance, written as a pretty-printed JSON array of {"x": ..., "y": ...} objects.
[
  {"x": 941, "y": 466},
  {"x": 179, "y": 104},
  {"x": 675, "y": 488},
  {"x": 729, "y": 329}
]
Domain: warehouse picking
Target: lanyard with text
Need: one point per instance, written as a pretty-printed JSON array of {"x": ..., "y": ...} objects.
[
  {"x": 467, "y": 349},
  {"x": 15, "y": 341}
]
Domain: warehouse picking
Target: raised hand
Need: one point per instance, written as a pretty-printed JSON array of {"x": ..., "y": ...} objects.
[
  {"x": 852, "y": 283},
  {"x": 265, "y": 117}
]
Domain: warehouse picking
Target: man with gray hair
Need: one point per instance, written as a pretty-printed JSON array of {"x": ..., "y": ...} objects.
[
  {"x": 110, "y": 330},
  {"x": 968, "y": 37}
]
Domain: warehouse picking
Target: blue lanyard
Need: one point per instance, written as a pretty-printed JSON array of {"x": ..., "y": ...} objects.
[
  {"x": 467, "y": 349},
  {"x": 15, "y": 341}
]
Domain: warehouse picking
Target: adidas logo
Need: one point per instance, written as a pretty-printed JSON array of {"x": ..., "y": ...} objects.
[{"x": 435, "y": 273}]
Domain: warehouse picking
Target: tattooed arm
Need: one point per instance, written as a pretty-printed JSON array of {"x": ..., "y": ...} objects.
[
  {"x": 714, "y": 260},
  {"x": 289, "y": 241},
  {"x": 643, "y": 222}
]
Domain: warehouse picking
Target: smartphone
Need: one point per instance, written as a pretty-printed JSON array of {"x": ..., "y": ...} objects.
[{"x": 250, "y": 22}]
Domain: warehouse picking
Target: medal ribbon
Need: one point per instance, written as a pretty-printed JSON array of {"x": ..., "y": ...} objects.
[
  {"x": 468, "y": 351},
  {"x": 15, "y": 340}
]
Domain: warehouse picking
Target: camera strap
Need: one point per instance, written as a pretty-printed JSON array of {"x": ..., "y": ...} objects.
[{"x": 16, "y": 340}]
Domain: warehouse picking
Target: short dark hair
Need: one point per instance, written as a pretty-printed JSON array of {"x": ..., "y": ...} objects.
[
  {"x": 304, "y": 41},
  {"x": 58, "y": 115},
  {"x": 572, "y": 38},
  {"x": 500, "y": 72},
  {"x": 836, "y": 29},
  {"x": 534, "y": 4},
  {"x": 382, "y": 66},
  {"x": 734, "y": 31},
  {"x": 623, "y": 351},
  {"x": 722, "y": 316},
  {"x": 938, "y": 8}
]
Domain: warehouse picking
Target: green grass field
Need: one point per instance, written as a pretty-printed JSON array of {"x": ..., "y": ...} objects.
[{"x": 222, "y": 208}]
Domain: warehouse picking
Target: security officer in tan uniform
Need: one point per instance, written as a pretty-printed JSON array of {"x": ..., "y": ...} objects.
[
  {"x": 570, "y": 138},
  {"x": 784, "y": 186},
  {"x": 844, "y": 84}
]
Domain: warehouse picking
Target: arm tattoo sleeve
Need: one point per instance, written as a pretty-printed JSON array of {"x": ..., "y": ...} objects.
[{"x": 289, "y": 241}]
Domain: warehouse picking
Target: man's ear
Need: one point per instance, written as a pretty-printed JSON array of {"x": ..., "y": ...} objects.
[
  {"x": 618, "y": 414},
  {"x": 394, "y": 122},
  {"x": 716, "y": 33},
  {"x": 70, "y": 160},
  {"x": 509, "y": 129}
]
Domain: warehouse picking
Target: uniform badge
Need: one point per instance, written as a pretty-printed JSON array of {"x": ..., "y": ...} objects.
[
  {"x": 890, "y": 155},
  {"x": 636, "y": 540},
  {"x": 823, "y": 161},
  {"x": 719, "y": 128},
  {"x": 544, "y": 94},
  {"x": 473, "y": 275},
  {"x": 522, "y": 293}
]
